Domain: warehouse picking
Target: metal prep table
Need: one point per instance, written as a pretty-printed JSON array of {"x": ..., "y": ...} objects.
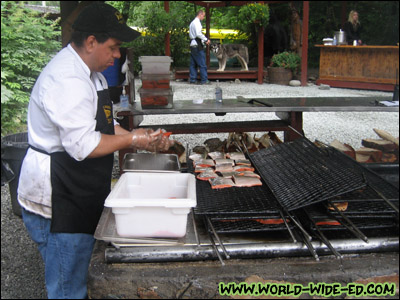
[{"x": 288, "y": 109}]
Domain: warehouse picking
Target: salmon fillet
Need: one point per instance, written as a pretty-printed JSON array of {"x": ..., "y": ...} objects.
[
  {"x": 245, "y": 181},
  {"x": 226, "y": 167},
  {"x": 328, "y": 222},
  {"x": 204, "y": 163},
  {"x": 206, "y": 175},
  {"x": 203, "y": 169},
  {"x": 243, "y": 162},
  {"x": 223, "y": 161},
  {"x": 221, "y": 183},
  {"x": 216, "y": 155},
  {"x": 230, "y": 174},
  {"x": 270, "y": 221},
  {"x": 243, "y": 168},
  {"x": 235, "y": 155},
  {"x": 247, "y": 174},
  {"x": 341, "y": 206}
]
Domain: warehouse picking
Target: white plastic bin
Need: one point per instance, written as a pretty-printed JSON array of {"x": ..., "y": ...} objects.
[
  {"x": 152, "y": 204},
  {"x": 155, "y": 64}
]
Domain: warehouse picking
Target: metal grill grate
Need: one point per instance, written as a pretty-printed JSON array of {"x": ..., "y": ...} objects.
[
  {"x": 234, "y": 200},
  {"x": 362, "y": 223},
  {"x": 367, "y": 207},
  {"x": 249, "y": 224},
  {"x": 300, "y": 174}
]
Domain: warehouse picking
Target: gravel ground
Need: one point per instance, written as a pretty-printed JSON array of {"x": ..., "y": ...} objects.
[{"x": 22, "y": 272}]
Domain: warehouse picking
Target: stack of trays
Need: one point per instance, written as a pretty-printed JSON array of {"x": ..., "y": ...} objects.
[{"x": 156, "y": 91}]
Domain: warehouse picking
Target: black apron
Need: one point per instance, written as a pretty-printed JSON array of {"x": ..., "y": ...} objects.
[{"x": 79, "y": 188}]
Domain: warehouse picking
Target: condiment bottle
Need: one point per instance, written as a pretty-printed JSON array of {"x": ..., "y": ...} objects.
[
  {"x": 124, "y": 99},
  {"x": 218, "y": 93}
]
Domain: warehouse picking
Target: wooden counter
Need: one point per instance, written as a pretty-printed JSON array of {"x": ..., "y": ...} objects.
[{"x": 360, "y": 67}]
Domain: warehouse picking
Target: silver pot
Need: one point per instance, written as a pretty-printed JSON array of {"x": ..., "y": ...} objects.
[{"x": 341, "y": 37}]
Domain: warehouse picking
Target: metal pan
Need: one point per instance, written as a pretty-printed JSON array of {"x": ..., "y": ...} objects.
[{"x": 149, "y": 162}]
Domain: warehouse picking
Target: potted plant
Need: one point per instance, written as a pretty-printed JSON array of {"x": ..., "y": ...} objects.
[{"x": 282, "y": 67}]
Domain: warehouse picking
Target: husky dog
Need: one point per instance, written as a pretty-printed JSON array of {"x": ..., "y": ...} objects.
[{"x": 223, "y": 52}]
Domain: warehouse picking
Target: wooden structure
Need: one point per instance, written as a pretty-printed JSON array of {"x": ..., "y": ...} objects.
[
  {"x": 361, "y": 67},
  {"x": 259, "y": 75}
]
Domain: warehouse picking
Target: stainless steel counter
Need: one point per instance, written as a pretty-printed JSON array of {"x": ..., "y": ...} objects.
[{"x": 242, "y": 105}]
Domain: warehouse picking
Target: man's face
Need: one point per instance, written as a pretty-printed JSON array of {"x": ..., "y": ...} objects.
[
  {"x": 201, "y": 16},
  {"x": 104, "y": 54}
]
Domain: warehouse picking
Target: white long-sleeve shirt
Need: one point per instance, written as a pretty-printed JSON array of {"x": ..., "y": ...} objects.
[
  {"x": 61, "y": 117},
  {"x": 195, "y": 32}
]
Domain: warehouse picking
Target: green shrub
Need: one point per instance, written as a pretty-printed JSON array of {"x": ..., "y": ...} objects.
[
  {"x": 28, "y": 42},
  {"x": 287, "y": 60}
]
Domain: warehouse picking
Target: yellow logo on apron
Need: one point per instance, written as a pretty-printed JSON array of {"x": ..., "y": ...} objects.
[{"x": 107, "y": 113}]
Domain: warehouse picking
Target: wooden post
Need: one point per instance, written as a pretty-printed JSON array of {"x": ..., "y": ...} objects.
[
  {"x": 304, "y": 49},
  {"x": 208, "y": 34},
  {"x": 167, "y": 35},
  {"x": 260, "y": 69},
  {"x": 260, "y": 73},
  {"x": 69, "y": 11}
]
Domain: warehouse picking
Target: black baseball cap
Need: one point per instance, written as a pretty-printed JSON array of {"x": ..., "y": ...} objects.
[{"x": 103, "y": 18}]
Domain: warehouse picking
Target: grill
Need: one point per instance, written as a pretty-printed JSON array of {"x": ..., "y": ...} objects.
[
  {"x": 304, "y": 183},
  {"x": 300, "y": 174},
  {"x": 284, "y": 214}
]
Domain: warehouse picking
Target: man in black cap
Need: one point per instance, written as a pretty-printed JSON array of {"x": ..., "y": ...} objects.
[{"x": 66, "y": 173}]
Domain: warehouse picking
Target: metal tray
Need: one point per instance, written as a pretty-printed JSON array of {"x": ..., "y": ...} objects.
[
  {"x": 106, "y": 231},
  {"x": 148, "y": 162}
]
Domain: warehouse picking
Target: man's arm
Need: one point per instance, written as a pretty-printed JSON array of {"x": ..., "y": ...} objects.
[{"x": 111, "y": 143}]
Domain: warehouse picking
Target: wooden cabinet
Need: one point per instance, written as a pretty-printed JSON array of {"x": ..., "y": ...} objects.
[{"x": 361, "y": 67}]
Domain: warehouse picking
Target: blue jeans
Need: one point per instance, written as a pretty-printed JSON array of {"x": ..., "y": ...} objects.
[
  {"x": 197, "y": 60},
  {"x": 66, "y": 257}
]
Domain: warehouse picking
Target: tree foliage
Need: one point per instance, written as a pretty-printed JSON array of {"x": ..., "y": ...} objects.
[
  {"x": 152, "y": 16},
  {"x": 27, "y": 43}
]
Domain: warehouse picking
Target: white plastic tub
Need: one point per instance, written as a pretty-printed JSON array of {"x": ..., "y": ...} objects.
[
  {"x": 155, "y": 64},
  {"x": 152, "y": 204}
]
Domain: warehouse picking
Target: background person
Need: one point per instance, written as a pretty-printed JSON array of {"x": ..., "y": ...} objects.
[
  {"x": 66, "y": 173},
  {"x": 197, "y": 54},
  {"x": 353, "y": 29}
]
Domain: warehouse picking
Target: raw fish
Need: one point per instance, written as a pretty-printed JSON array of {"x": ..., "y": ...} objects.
[
  {"x": 207, "y": 175},
  {"x": 245, "y": 181},
  {"x": 235, "y": 155},
  {"x": 221, "y": 183},
  {"x": 216, "y": 155}
]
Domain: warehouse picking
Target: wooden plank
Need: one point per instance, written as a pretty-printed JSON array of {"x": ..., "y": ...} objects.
[
  {"x": 361, "y": 64},
  {"x": 359, "y": 79},
  {"x": 357, "y": 85}
]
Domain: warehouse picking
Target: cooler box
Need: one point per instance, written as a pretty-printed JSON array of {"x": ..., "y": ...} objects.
[
  {"x": 155, "y": 64},
  {"x": 152, "y": 204},
  {"x": 156, "y": 98},
  {"x": 156, "y": 81}
]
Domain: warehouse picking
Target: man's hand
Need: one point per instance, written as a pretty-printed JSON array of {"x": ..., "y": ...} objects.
[
  {"x": 142, "y": 138},
  {"x": 162, "y": 142}
]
